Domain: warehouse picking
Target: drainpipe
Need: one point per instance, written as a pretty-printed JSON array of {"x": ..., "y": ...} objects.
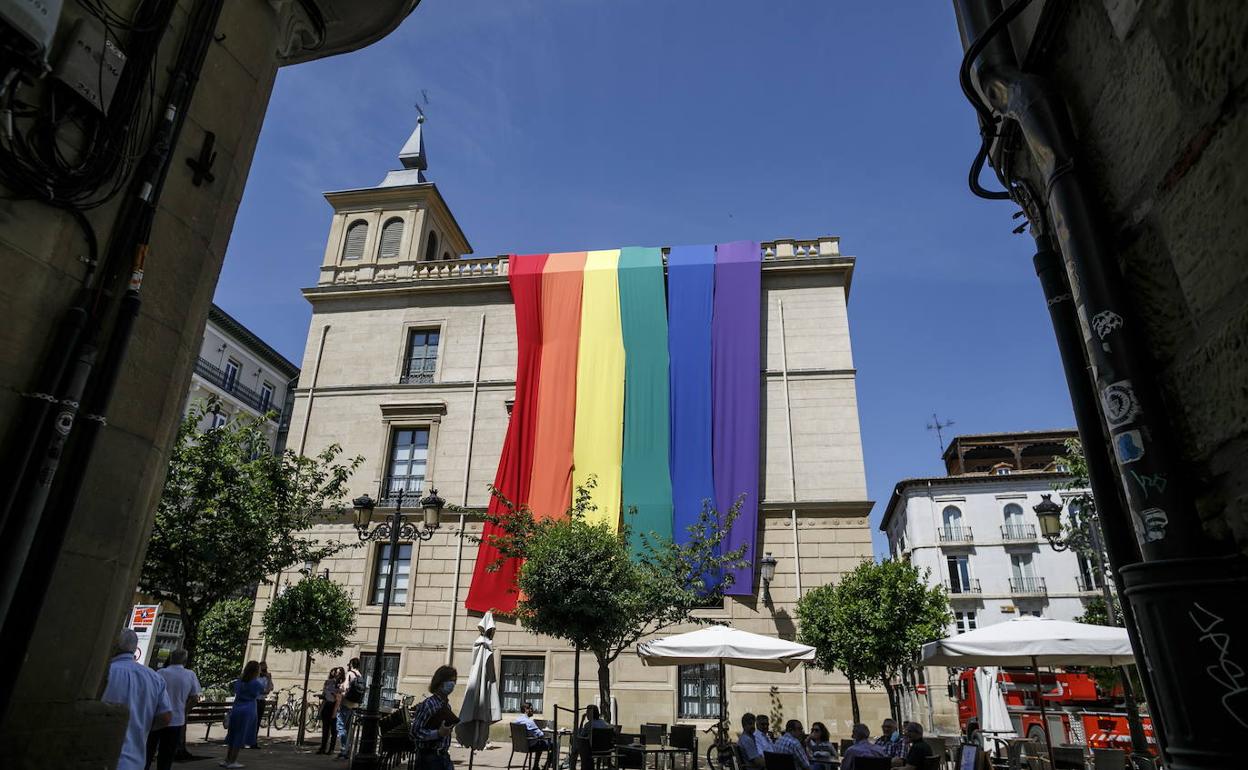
[
  {"x": 459, "y": 544},
  {"x": 797, "y": 554},
  {"x": 1186, "y": 593}
]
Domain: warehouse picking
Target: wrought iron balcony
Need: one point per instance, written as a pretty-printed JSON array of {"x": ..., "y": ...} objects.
[
  {"x": 1028, "y": 586},
  {"x": 412, "y": 486},
  {"x": 1018, "y": 533},
  {"x": 963, "y": 588},
  {"x": 416, "y": 377},
  {"x": 1088, "y": 586},
  {"x": 231, "y": 385},
  {"x": 955, "y": 534}
]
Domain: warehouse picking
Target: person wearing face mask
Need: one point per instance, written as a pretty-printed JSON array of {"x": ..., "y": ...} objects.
[
  {"x": 891, "y": 741},
  {"x": 432, "y": 722}
]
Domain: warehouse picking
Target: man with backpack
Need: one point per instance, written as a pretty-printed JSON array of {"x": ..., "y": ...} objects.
[{"x": 353, "y": 692}]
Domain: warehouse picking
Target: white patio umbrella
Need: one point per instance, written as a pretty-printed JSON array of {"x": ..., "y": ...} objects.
[
  {"x": 481, "y": 705},
  {"x": 994, "y": 717},
  {"x": 726, "y": 646},
  {"x": 1031, "y": 641}
]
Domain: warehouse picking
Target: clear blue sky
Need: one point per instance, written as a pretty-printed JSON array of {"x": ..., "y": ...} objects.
[{"x": 559, "y": 125}]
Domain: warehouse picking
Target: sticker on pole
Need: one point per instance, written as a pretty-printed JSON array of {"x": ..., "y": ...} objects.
[{"x": 1121, "y": 405}]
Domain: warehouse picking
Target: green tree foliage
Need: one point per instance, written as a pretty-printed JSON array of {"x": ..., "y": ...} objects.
[
  {"x": 315, "y": 616},
  {"x": 232, "y": 513},
  {"x": 873, "y": 623},
  {"x": 1081, "y": 506},
  {"x": 584, "y": 583},
  {"x": 222, "y": 641}
]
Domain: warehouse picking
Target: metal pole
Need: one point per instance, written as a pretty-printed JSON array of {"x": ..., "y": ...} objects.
[
  {"x": 797, "y": 553},
  {"x": 459, "y": 545},
  {"x": 366, "y": 756},
  {"x": 1044, "y": 714}
]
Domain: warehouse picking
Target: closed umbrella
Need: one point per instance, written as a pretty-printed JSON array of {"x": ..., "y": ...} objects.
[
  {"x": 481, "y": 706},
  {"x": 994, "y": 717}
]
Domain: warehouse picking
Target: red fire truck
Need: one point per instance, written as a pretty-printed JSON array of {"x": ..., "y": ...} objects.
[{"x": 1079, "y": 712}]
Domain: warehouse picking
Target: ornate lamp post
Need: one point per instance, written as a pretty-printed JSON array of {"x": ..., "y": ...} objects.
[
  {"x": 392, "y": 528},
  {"x": 767, "y": 571}
]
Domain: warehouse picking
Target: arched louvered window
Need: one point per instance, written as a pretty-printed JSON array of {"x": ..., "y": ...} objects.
[
  {"x": 357, "y": 233},
  {"x": 446, "y": 256},
  {"x": 431, "y": 248},
  {"x": 391, "y": 234}
]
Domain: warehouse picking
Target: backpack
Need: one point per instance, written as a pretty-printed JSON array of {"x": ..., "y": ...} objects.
[{"x": 356, "y": 690}]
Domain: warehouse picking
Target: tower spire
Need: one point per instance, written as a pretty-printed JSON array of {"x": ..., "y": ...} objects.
[{"x": 413, "y": 153}]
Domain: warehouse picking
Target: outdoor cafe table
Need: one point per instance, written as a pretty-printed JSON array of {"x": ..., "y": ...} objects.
[{"x": 645, "y": 749}]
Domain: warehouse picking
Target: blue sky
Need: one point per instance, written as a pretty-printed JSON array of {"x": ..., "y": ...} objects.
[{"x": 558, "y": 125}]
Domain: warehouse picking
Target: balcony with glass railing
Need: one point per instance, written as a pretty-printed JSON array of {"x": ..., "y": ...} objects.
[
  {"x": 1018, "y": 533},
  {"x": 1028, "y": 586}
]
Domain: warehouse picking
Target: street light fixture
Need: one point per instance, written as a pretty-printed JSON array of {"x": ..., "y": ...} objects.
[
  {"x": 767, "y": 570},
  {"x": 1049, "y": 514},
  {"x": 392, "y": 528}
]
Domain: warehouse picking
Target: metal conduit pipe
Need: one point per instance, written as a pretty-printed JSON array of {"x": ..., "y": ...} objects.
[
  {"x": 1186, "y": 593},
  {"x": 459, "y": 540}
]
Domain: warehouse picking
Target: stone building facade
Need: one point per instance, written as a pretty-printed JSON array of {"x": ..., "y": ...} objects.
[
  {"x": 411, "y": 358},
  {"x": 57, "y": 720}
]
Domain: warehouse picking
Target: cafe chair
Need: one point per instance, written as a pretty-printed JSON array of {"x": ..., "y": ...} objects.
[
  {"x": 774, "y": 760},
  {"x": 520, "y": 745}
]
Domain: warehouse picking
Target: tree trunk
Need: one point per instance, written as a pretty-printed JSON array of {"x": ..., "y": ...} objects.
[
  {"x": 303, "y": 707},
  {"x": 190, "y": 636},
  {"x": 853, "y": 700},
  {"x": 575, "y": 753},
  {"x": 604, "y": 687},
  {"x": 892, "y": 700}
]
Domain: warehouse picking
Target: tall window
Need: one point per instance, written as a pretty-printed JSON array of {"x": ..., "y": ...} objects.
[
  {"x": 524, "y": 681},
  {"x": 951, "y": 517},
  {"x": 1089, "y": 575},
  {"x": 409, "y": 456},
  {"x": 959, "y": 573},
  {"x": 421, "y": 358},
  {"x": 402, "y": 572},
  {"x": 232, "y": 368},
  {"x": 699, "y": 691},
  {"x": 266, "y": 396},
  {"x": 1014, "y": 527},
  {"x": 964, "y": 621},
  {"x": 1023, "y": 572},
  {"x": 353, "y": 244},
  {"x": 389, "y": 676},
  {"x": 391, "y": 236},
  {"x": 431, "y": 247}
]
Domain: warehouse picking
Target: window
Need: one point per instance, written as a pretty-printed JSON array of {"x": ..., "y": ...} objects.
[
  {"x": 524, "y": 681},
  {"x": 421, "y": 358},
  {"x": 699, "y": 691},
  {"x": 431, "y": 247},
  {"x": 353, "y": 244},
  {"x": 951, "y": 519},
  {"x": 391, "y": 236},
  {"x": 389, "y": 676},
  {"x": 1014, "y": 528},
  {"x": 266, "y": 396},
  {"x": 1032, "y": 613},
  {"x": 1002, "y": 471},
  {"x": 1089, "y": 576},
  {"x": 409, "y": 456},
  {"x": 218, "y": 419},
  {"x": 402, "y": 571},
  {"x": 959, "y": 574},
  {"x": 964, "y": 621},
  {"x": 232, "y": 368}
]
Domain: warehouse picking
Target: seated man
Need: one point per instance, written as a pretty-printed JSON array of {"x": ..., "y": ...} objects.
[
  {"x": 747, "y": 742},
  {"x": 919, "y": 749},
  {"x": 791, "y": 743},
  {"x": 861, "y": 747},
  {"x": 891, "y": 741},
  {"x": 538, "y": 742},
  {"x": 762, "y": 736}
]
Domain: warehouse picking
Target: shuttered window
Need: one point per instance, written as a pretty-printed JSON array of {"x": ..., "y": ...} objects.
[
  {"x": 354, "y": 246},
  {"x": 391, "y": 234}
]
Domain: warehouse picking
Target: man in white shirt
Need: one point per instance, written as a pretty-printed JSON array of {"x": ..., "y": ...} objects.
[
  {"x": 183, "y": 688},
  {"x": 538, "y": 742},
  {"x": 132, "y": 684}
]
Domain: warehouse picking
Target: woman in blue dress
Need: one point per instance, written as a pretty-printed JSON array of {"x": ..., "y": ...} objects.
[{"x": 243, "y": 716}]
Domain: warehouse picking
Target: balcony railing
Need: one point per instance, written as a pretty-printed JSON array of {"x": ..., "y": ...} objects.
[
  {"x": 412, "y": 486},
  {"x": 955, "y": 534},
  {"x": 1018, "y": 533},
  {"x": 1028, "y": 586},
  {"x": 231, "y": 385},
  {"x": 416, "y": 377},
  {"x": 963, "y": 588},
  {"x": 1088, "y": 585}
]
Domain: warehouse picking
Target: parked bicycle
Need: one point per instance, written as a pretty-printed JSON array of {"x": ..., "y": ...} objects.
[
  {"x": 286, "y": 713},
  {"x": 721, "y": 754}
]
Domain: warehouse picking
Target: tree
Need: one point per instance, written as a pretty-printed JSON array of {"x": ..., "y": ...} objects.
[
  {"x": 315, "y": 616},
  {"x": 568, "y": 562},
  {"x": 232, "y": 513},
  {"x": 873, "y": 623},
  {"x": 222, "y": 641}
]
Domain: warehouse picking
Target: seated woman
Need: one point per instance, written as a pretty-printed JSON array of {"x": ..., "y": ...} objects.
[{"x": 820, "y": 747}]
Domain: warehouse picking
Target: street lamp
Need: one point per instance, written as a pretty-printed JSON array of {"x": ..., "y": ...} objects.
[
  {"x": 1050, "y": 515},
  {"x": 392, "y": 528},
  {"x": 767, "y": 570}
]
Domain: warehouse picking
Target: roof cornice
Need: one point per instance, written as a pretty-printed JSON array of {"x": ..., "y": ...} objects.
[{"x": 970, "y": 478}]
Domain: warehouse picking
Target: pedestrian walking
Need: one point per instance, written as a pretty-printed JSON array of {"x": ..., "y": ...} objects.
[
  {"x": 143, "y": 691},
  {"x": 331, "y": 698},
  {"x": 432, "y": 722},
  {"x": 261, "y": 703},
  {"x": 243, "y": 715},
  {"x": 163, "y": 745},
  {"x": 353, "y": 691}
]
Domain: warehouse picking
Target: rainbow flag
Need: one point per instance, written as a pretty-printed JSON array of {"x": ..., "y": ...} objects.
[{"x": 647, "y": 379}]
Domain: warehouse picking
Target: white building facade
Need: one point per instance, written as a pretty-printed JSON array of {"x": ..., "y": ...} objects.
[{"x": 976, "y": 533}]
